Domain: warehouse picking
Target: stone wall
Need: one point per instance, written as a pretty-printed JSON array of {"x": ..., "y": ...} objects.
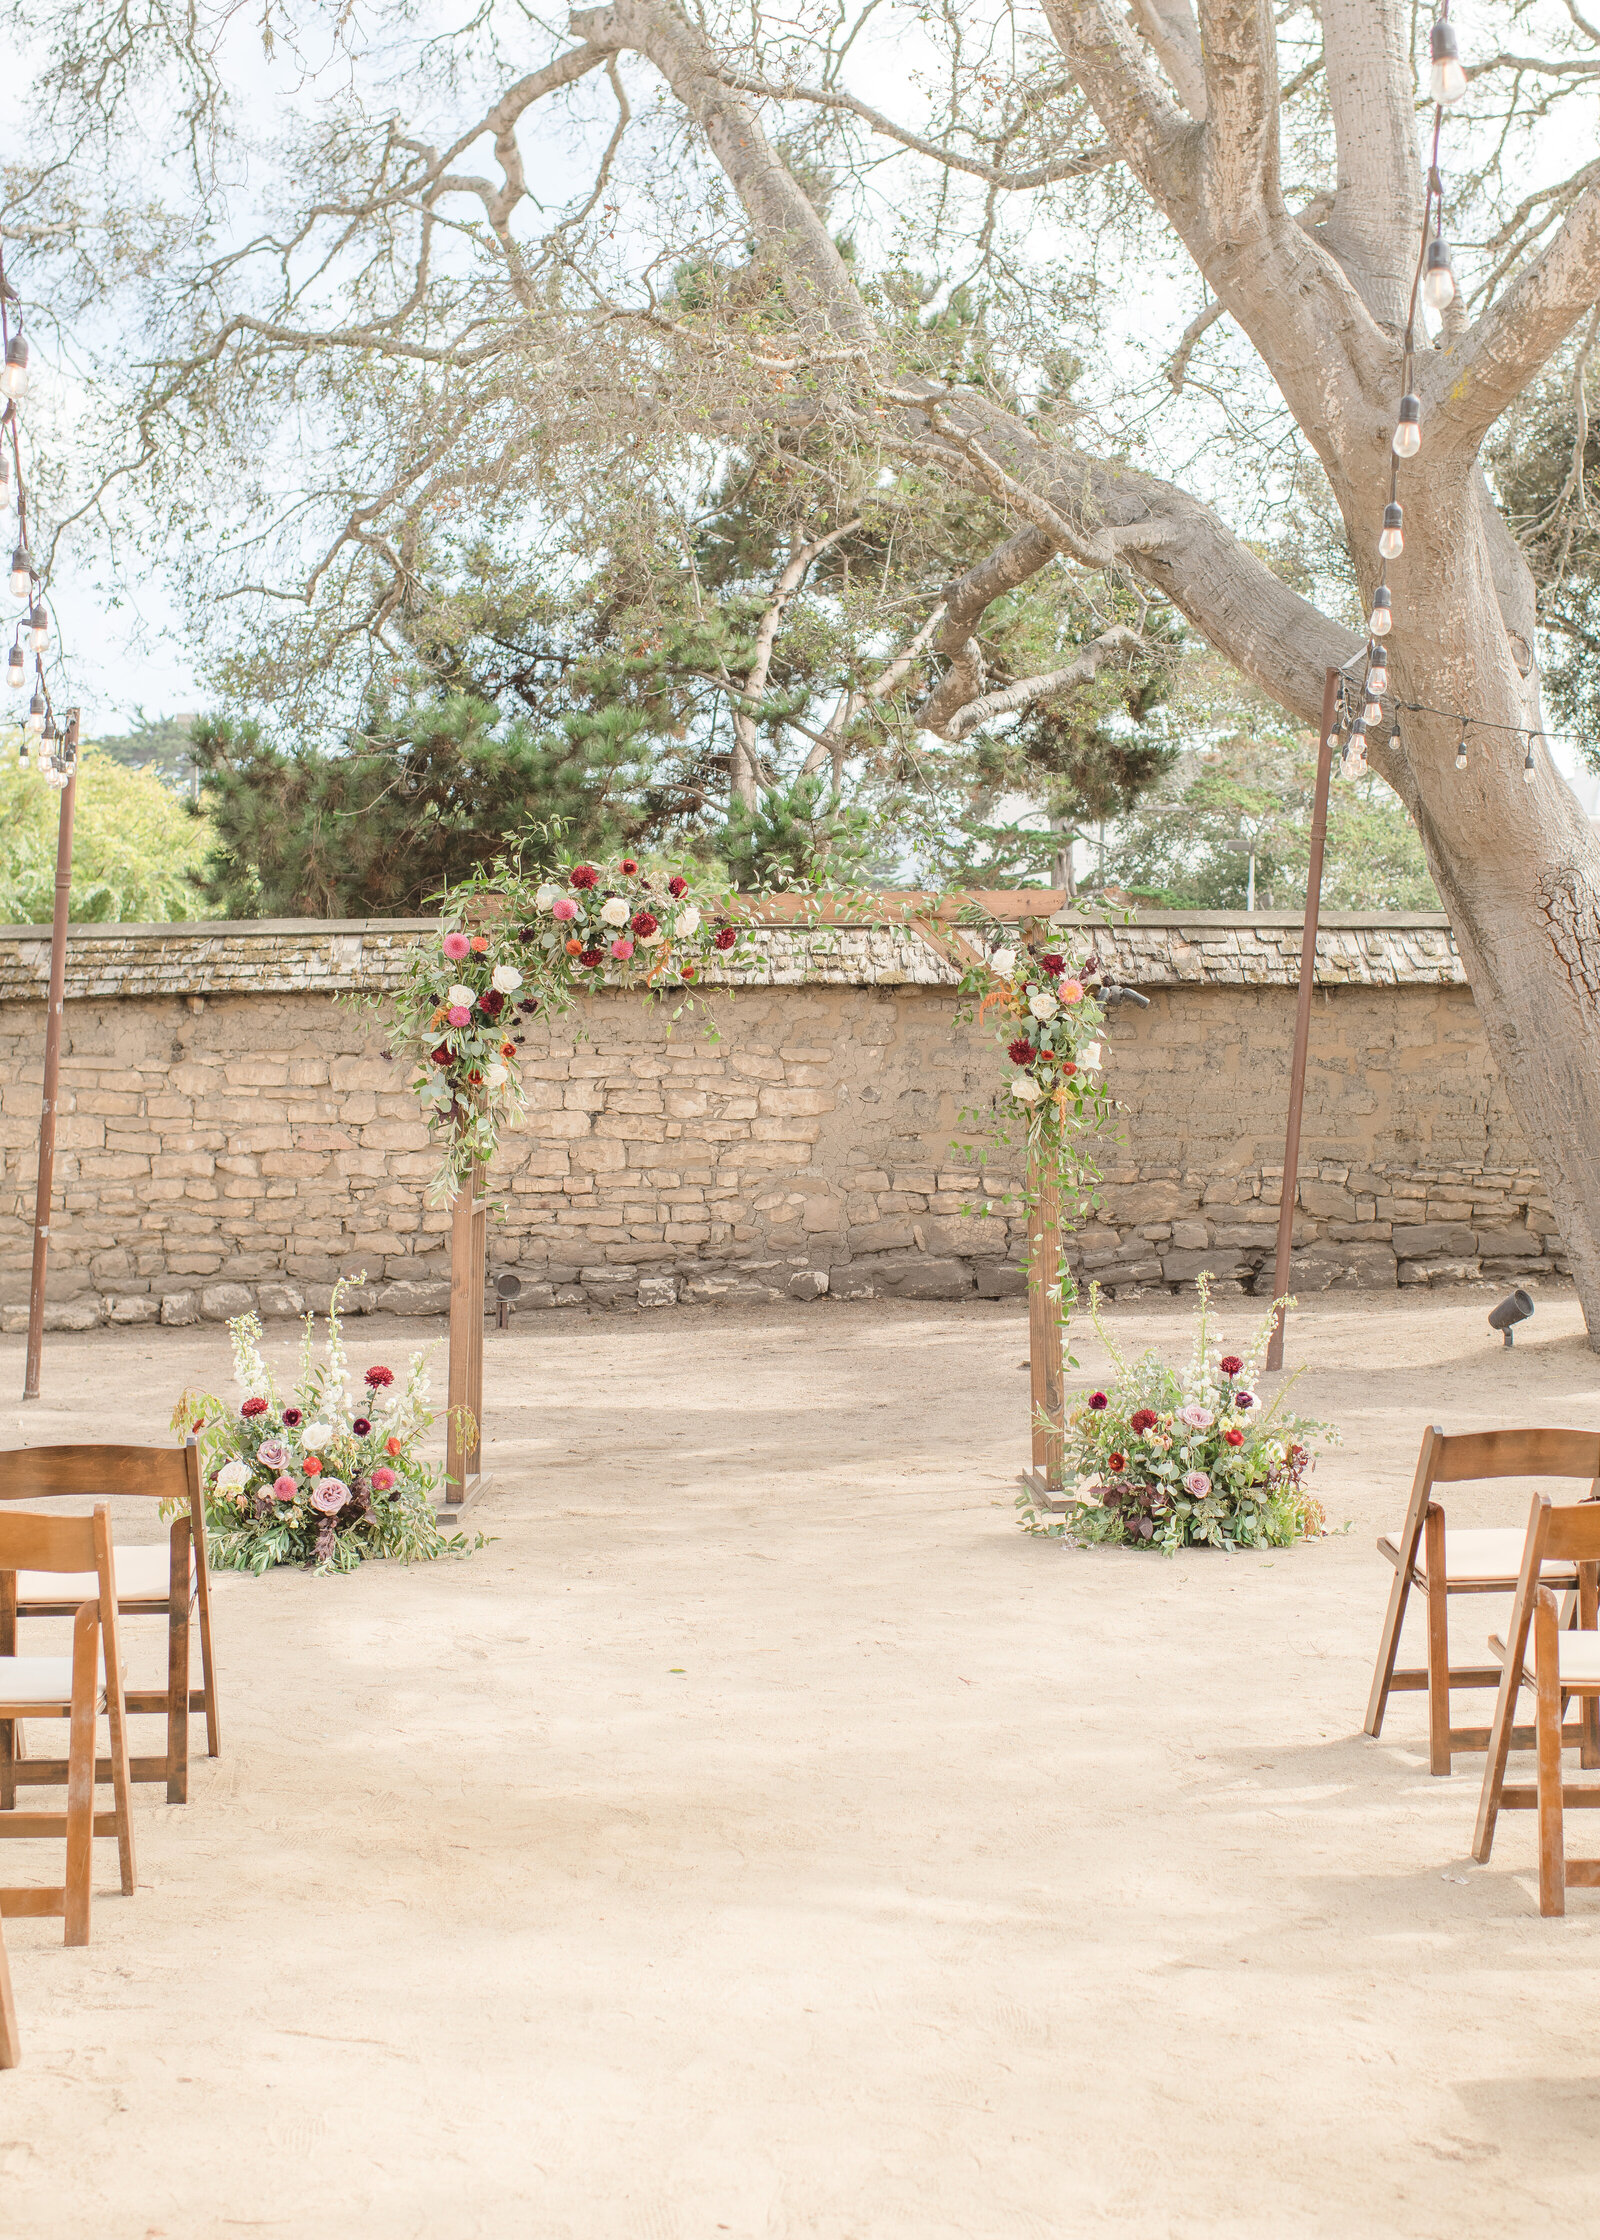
[{"x": 232, "y": 1133}]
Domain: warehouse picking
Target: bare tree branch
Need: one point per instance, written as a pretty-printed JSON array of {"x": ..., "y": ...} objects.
[{"x": 1029, "y": 690}]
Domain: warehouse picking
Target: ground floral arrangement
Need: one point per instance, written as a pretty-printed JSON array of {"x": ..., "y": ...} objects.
[
  {"x": 327, "y": 1476},
  {"x": 511, "y": 945},
  {"x": 1168, "y": 1460}
]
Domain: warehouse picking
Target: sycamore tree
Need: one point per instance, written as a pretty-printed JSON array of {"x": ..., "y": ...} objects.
[{"x": 486, "y": 243}]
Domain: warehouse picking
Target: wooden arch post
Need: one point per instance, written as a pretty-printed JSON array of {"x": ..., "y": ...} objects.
[{"x": 464, "y": 1479}]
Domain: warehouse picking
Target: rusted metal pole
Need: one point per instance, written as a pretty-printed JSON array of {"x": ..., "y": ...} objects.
[
  {"x": 1302, "y": 1016},
  {"x": 52, "y": 1067}
]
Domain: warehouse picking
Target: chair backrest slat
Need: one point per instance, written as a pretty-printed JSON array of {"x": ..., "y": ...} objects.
[
  {"x": 1572, "y": 1532},
  {"x": 40, "y": 1473},
  {"x": 1515, "y": 1454},
  {"x": 30, "y": 1542}
]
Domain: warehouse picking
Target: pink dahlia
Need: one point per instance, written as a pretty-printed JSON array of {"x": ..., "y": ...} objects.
[
  {"x": 564, "y": 909},
  {"x": 459, "y": 1015},
  {"x": 622, "y": 949},
  {"x": 285, "y": 1488},
  {"x": 382, "y": 1480},
  {"x": 456, "y": 945}
]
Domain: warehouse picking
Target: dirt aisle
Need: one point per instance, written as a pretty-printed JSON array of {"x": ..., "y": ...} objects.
[{"x": 764, "y": 1837}]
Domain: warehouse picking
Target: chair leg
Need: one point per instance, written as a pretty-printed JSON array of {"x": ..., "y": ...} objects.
[
  {"x": 1438, "y": 1601},
  {"x": 1388, "y": 1647},
  {"x": 208, "y": 1669},
  {"x": 1552, "y": 1844},
  {"x": 10, "y": 1729},
  {"x": 80, "y": 1773},
  {"x": 121, "y": 1775},
  {"x": 1589, "y": 1706},
  {"x": 178, "y": 1668},
  {"x": 10, "y": 2044}
]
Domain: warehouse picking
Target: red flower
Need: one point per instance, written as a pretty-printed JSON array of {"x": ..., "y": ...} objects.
[
  {"x": 291, "y": 1417},
  {"x": 1230, "y": 1364},
  {"x": 583, "y": 875},
  {"x": 491, "y": 1003},
  {"x": 361, "y": 1427},
  {"x": 1069, "y": 1067},
  {"x": 378, "y": 1376},
  {"x": 479, "y": 945},
  {"x": 393, "y": 1446},
  {"x": 592, "y": 957},
  {"x": 1097, "y": 1400},
  {"x": 677, "y": 886},
  {"x": 254, "y": 1408},
  {"x": 1054, "y": 965},
  {"x": 1234, "y": 1438},
  {"x": 725, "y": 938},
  {"x": 628, "y": 867},
  {"x": 1117, "y": 1461},
  {"x": 644, "y": 923},
  {"x": 1142, "y": 1419},
  {"x": 688, "y": 975},
  {"x": 443, "y": 1055},
  {"x": 1021, "y": 1052}
]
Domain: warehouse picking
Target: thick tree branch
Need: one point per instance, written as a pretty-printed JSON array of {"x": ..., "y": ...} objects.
[
  {"x": 1174, "y": 38},
  {"x": 1472, "y": 379},
  {"x": 1158, "y": 139},
  {"x": 1376, "y": 216},
  {"x": 1240, "y": 49},
  {"x": 1090, "y": 661}
]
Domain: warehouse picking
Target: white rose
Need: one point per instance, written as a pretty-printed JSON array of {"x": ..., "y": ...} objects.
[
  {"x": 651, "y": 940},
  {"x": 1025, "y": 1087},
  {"x": 314, "y": 1435},
  {"x": 546, "y": 895},
  {"x": 466, "y": 997},
  {"x": 1002, "y": 962},
  {"x": 1089, "y": 1057},
  {"x": 1043, "y": 1006},
  {"x": 614, "y": 912},
  {"x": 688, "y": 921},
  {"x": 506, "y": 978},
  {"x": 496, "y": 1076},
  {"x": 233, "y": 1477}
]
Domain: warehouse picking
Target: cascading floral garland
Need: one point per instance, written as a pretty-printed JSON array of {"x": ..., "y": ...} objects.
[{"x": 512, "y": 945}]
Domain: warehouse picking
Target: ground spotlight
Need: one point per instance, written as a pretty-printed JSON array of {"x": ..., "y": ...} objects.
[
  {"x": 1512, "y": 1310},
  {"x": 507, "y": 1288}
]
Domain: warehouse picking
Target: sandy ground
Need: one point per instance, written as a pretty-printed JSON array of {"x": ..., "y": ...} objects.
[{"x": 763, "y": 1836}]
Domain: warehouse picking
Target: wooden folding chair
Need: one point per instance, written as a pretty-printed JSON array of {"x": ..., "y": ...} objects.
[
  {"x": 75, "y": 1688},
  {"x": 1471, "y": 1561},
  {"x": 1565, "y": 1663},
  {"x": 152, "y": 1581}
]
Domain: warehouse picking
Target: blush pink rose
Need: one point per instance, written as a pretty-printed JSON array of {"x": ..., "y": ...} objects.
[
  {"x": 456, "y": 945},
  {"x": 622, "y": 950},
  {"x": 459, "y": 1015},
  {"x": 564, "y": 909}
]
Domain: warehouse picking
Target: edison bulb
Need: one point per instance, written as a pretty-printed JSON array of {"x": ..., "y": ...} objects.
[
  {"x": 1447, "y": 81},
  {"x": 1408, "y": 429},
  {"x": 1380, "y": 620},
  {"x": 1438, "y": 281},
  {"x": 1391, "y": 540}
]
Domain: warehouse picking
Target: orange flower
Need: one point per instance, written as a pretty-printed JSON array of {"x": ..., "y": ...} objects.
[
  {"x": 574, "y": 948},
  {"x": 392, "y": 1446},
  {"x": 508, "y": 1049},
  {"x": 479, "y": 944},
  {"x": 312, "y": 1465}
]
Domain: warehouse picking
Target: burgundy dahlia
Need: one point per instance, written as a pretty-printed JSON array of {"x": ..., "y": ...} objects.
[
  {"x": 725, "y": 938},
  {"x": 1142, "y": 1419},
  {"x": 1054, "y": 965},
  {"x": 254, "y": 1408},
  {"x": 592, "y": 957},
  {"x": 491, "y": 1003},
  {"x": 1234, "y": 1438},
  {"x": 582, "y": 876},
  {"x": 442, "y": 1055},
  {"x": 676, "y": 887},
  {"x": 1230, "y": 1364},
  {"x": 1097, "y": 1400},
  {"x": 291, "y": 1417},
  {"x": 644, "y": 923},
  {"x": 378, "y": 1376},
  {"x": 361, "y": 1427},
  {"x": 1021, "y": 1052}
]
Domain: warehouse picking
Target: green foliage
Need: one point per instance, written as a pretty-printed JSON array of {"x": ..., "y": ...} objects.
[
  {"x": 158, "y": 743},
  {"x": 1556, "y": 516},
  {"x": 134, "y": 847},
  {"x": 1191, "y": 849},
  {"x": 798, "y": 834}
]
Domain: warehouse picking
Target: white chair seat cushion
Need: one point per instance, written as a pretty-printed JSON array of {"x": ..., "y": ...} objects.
[
  {"x": 1479, "y": 1555},
  {"x": 1579, "y": 1655},
  {"x": 39, "y": 1680},
  {"x": 143, "y": 1574}
]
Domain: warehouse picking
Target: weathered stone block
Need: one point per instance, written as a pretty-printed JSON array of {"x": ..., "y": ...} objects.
[
  {"x": 967, "y": 1237},
  {"x": 180, "y": 1308},
  {"x": 912, "y": 1275},
  {"x": 277, "y": 1302},
  {"x": 411, "y": 1297},
  {"x": 133, "y": 1307},
  {"x": 1433, "y": 1240},
  {"x": 1000, "y": 1280},
  {"x": 220, "y": 1302},
  {"x": 1332, "y": 1266},
  {"x": 1509, "y": 1244},
  {"x": 808, "y": 1283},
  {"x": 658, "y": 1291}
]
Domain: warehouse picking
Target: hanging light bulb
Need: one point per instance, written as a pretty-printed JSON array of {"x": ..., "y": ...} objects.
[
  {"x": 1461, "y": 746},
  {"x": 1391, "y": 543},
  {"x": 1394, "y": 734},
  {"x": 1447, "y": 81},
  {"x": 14, "y": 373},
  {"x": 1378, "y": 667},
  {"x": 1408, "y": 430},
  {"x": 1372, "y": 713},
  {"x": 22, "y": 753},
  {"x": 21, "y": 573},
  {"x": 1380, "y": 619},
  {"x": 16, "y": 667},
  {"x": 39, "y": 626},
  {"x": 35, "y": 718},
  {"x": 1438, "y": 281},
  {"x": 1529, "y": 772}
]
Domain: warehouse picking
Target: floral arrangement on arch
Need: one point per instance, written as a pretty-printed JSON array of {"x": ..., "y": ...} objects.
[
  {"x": 1168, "y": 1459},
  {"x": 326, "y": 1475},
  {"x": 510, "y": 946}
]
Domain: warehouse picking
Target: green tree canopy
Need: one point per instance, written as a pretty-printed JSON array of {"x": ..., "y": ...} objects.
[{"x": 134, "y": 845}]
